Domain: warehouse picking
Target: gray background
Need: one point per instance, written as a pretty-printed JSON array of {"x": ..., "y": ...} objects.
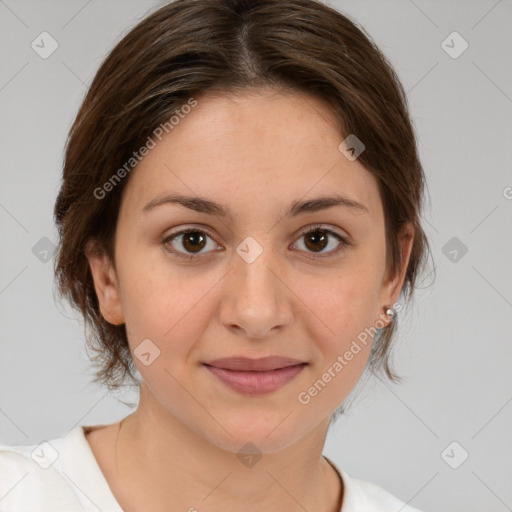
[{"x": 455, "y": 345}]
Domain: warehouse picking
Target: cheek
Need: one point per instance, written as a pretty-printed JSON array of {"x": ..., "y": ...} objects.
[
  {"x": 346, "y": 302},
  {"x": 342, "y": 323},
  {"x": 164, "y": 307},
  {"x": 162, "y": 321}
]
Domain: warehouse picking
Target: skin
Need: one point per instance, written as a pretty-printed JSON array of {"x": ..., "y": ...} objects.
[{"x": 180, "y": 445}]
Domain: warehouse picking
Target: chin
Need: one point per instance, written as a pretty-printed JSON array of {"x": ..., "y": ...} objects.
[{"x": 268, "y": 433}]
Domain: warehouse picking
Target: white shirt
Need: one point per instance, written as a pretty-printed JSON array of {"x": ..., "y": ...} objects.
[{"x": 62, "y": 475}]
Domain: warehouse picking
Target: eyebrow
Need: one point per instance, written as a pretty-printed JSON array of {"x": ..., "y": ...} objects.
[{"x": 203, "y": 205}]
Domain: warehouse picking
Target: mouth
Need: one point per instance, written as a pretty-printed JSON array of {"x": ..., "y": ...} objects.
[{"x": 255, "y": 376}]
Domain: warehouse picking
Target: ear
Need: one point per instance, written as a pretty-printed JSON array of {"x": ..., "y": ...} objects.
[
  {"x": 392, "y": 284},
  {"x": 105, "y": 283}
]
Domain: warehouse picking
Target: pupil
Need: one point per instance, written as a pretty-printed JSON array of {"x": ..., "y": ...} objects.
[
  {"x": 316, "y": 237},
  {"x": 193, "y": 241}
]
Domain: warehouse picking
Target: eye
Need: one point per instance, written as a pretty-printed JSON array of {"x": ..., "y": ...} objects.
[
  {"x": 189, "y": 243},
  {"x": 193, "y": 241},
  {"x": 317, "y": 238}
]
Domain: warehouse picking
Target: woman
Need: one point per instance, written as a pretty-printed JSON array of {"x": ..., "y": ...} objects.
[{"x": 239, "y": 221}]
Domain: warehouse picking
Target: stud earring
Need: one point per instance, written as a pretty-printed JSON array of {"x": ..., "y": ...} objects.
[{"x": 391, "y": 313}]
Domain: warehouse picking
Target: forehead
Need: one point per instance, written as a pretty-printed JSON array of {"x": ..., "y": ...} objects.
[{"x": 254, "y": 149}]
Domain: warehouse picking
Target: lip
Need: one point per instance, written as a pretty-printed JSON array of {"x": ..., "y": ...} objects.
[
  {"x": 247, "y": 364},
  {"x": 255, "y": 376}
]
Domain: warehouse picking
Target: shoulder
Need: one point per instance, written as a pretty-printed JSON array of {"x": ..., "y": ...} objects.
[
  {"x": 31, "y": 479},
  {"x": 361, "y": 495}
]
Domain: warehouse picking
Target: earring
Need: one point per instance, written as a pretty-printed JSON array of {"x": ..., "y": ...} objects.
[{"x": 391, "y": 313}]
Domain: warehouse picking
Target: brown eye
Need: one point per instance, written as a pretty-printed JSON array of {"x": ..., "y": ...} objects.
[
  {"x": 318, "y": 238},
  {"x": 193, "y": 241},
  {"x": 189, "y": 243}
]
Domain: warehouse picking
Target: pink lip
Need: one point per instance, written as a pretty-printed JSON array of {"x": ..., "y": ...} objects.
[{"x": 255, "y": 376}]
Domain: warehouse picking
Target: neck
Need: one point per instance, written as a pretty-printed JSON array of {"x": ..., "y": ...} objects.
[{"x": 160, "y": 462}]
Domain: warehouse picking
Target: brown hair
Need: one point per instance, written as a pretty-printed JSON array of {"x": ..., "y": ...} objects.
[{"x": 189, "y": 47}]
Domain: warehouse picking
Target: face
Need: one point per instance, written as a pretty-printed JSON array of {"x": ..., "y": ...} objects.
[{"x": 263, "y": 269}]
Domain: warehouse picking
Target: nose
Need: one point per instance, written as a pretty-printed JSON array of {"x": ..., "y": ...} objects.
[{"x": 256, "y": 300}]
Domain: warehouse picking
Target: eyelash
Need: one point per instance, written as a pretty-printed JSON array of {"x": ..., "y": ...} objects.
[{"x": 344, "y": 242}]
